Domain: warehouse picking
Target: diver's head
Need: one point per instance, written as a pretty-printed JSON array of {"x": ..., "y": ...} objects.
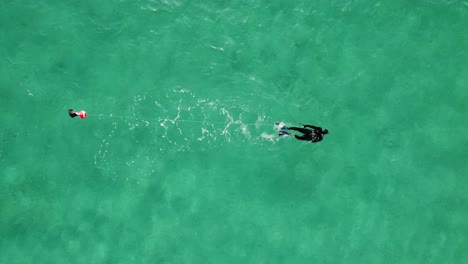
[{"x": 325, "y": 131}]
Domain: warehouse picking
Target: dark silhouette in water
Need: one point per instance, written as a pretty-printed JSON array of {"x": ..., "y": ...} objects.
[
  {"x": 72, "y": 113},
  {"x": 314, "y": 135}
]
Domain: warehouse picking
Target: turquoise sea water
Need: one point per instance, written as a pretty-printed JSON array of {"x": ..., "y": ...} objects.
[{"x": 178, "y": 160}]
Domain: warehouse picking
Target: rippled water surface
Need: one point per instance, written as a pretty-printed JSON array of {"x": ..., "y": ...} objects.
[{"x": 178, "y": 160}]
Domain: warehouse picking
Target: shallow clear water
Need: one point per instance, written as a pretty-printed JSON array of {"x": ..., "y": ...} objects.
[{"x": 178, "y": 160}]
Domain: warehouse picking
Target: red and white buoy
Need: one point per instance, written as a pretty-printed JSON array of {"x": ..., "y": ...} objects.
[{"x": 82, "y": 114}]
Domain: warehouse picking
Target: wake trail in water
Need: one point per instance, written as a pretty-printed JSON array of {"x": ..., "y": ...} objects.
[{"x": 184, "y": 122}]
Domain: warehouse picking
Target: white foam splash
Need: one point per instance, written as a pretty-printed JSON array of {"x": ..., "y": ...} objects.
[{"x": 186, "y": 122}]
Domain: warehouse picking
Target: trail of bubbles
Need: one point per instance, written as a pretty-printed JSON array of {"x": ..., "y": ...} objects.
[{"x": 184, "y": 122}]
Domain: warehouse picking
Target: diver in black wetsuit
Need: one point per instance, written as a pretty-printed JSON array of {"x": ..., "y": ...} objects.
[{"x": 314, "y": 135}]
